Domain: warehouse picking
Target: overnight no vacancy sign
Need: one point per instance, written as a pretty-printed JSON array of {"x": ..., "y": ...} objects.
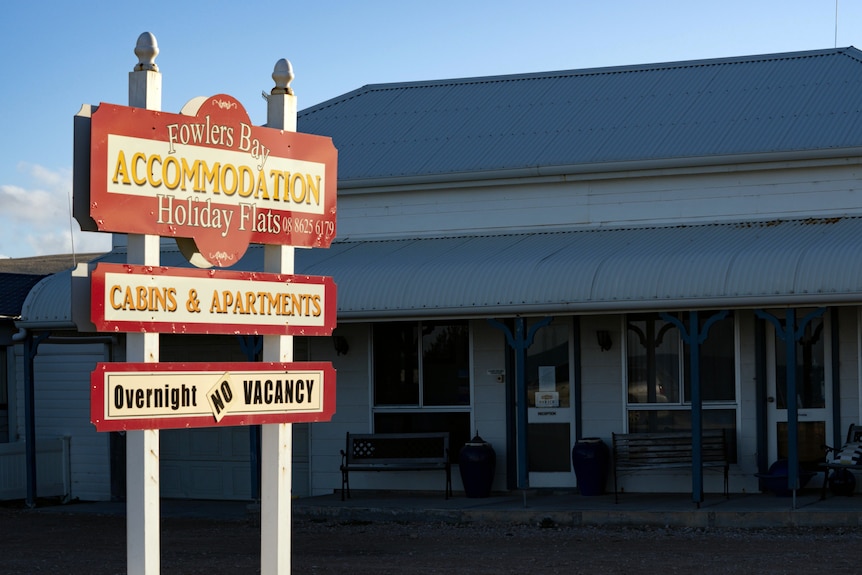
[{"x": 130, "y": 396}]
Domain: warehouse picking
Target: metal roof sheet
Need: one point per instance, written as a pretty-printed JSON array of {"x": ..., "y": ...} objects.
[
  {"x": 14, "y": 288},
  {"x": 800, "y": 101},
  {"x": 730, "y": 265}
]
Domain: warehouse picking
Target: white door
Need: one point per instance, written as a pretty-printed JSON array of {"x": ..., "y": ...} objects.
[
  {"x": 550, "y": 406},
  {"x": 813, "y": 391}
]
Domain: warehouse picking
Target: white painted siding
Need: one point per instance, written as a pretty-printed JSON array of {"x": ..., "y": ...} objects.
[
  {"x": 849, "y": 341},
  {"x": 726, "y": 194},
  {"x": 489, "y": 395},
  {"x": 62, "y": 405},
  {"x": 352, "y": 406},
  {"x": 742, "y": 474},
  {"x": 602, "y": 398},
  {"x": 208, "y": 463}
]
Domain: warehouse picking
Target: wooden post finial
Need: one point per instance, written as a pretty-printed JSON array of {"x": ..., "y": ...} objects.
[
  {"x": 283, "y": 76},
  {"x": 146, "y": 49}
]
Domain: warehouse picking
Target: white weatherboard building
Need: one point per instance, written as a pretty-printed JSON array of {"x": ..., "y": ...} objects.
[{"x": 596, "y": 209}]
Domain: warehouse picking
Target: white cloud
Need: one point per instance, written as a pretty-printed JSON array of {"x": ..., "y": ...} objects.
[{"x": 35, "y": 217}]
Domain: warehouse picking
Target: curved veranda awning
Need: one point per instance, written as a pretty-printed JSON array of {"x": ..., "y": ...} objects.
[{"x": 727, "y": 265}]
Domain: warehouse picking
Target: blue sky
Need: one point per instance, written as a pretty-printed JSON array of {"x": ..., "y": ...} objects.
[{"x": 58, "y": 55}]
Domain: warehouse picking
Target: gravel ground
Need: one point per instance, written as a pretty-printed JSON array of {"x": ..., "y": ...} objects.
[{"x": 33, "y": 542}]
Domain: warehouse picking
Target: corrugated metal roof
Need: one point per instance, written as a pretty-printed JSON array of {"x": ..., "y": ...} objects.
[
  {"x": 777, "y": 263},
  {"x": 13, "y": 290},
  {"x": 793, "y": 102},
  {"x": 801, "y": 262}
]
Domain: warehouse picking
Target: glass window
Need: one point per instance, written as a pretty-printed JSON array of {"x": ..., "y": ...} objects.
[
  {"x": 547, "y": 367},
  {"x": 396, "y": 364},
  {"x": 445, "y": 364},
  {"x": 810, "y": 371},
  {"x": 659, "y": 383},
  {"x": 651, "y": 420},
  {"x": 653, "y": 361},
  {"x": 422, "y": 378},
  {"x": 457, "y": 423},
  {"x": 717, "y": 364}
]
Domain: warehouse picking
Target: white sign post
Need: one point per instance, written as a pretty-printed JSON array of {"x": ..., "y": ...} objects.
[
  {"x": 277, "y": 439},
  {"x": 143, "y": 544}
]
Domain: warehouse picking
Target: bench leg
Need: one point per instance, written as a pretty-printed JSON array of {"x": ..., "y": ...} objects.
[
  {"x": 345, "y": 483},
  {"x": 825, "y": 485},
  {"x": 448, "y": 482},
  {"x": 726, "y": 482}
]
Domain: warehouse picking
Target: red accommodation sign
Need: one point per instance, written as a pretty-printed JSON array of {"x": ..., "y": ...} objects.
[
  {"x": 209, "y": 176},
  {"x": 127, "y": 396},
  {"x": 137, "y": 298}
]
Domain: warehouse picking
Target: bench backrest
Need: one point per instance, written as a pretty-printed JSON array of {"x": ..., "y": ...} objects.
[
  {"x": 397, "y": 447},
  {"x": 671, "y": 448}
]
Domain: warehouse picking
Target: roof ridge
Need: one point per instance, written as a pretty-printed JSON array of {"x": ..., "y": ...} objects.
[{"x": 849, "y": 51}]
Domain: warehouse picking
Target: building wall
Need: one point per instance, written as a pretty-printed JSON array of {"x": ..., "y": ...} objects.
[
  {"x": 602, "y": 394},
  {"x": 354, "y": 410},
  {"x": 742, "y": 474},
  {"x": 352, "y": 406},
  {"x": 62, "y": 406},
  {"x": 489, "y": 395},
  {"x": 850, "y": 349}
]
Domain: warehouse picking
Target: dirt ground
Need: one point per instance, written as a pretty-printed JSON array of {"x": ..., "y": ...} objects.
[{"x": 35, "y": 542}]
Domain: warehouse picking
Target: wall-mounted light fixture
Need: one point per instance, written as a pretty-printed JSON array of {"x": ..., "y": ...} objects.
[{"x": 604, "y": 339}]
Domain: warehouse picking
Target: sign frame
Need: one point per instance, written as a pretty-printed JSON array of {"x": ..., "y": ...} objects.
[{"x": 99, "y": 394}]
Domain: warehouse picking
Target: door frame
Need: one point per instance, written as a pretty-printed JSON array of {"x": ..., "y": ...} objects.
[{"x": 551, "y": 415}]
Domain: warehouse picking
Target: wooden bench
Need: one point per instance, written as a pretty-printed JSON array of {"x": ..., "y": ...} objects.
[
  {"x": 395, "y": 452},
  {"x": 634, "y": 452},
  {"x": 854, "y": 435}
]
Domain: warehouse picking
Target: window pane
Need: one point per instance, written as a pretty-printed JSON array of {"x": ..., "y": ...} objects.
[
  {"x": 811, "y": 437},
  {"x": 717, "y": 363},
  {"x": 810, "y": 372},
  {"x": 653, "y": 361},
  {"x": 547, "y": 368},
  {"x": 549, "y": 447},
  {"x": 456, "y": 423},
  {"x": 445, "y": 364},
  {"x": 396, "y": 364},
  {"x": 652, "y": 421}
]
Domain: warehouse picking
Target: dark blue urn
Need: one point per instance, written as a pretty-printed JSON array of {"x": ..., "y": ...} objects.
[
  {"x": 590, "y": 460},
  {"x": 476, "y": 462}
]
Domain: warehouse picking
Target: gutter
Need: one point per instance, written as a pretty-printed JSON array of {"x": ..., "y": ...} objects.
[
  {"x": 603, "y": 307},
  {"x": 616, "y": 169}
]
